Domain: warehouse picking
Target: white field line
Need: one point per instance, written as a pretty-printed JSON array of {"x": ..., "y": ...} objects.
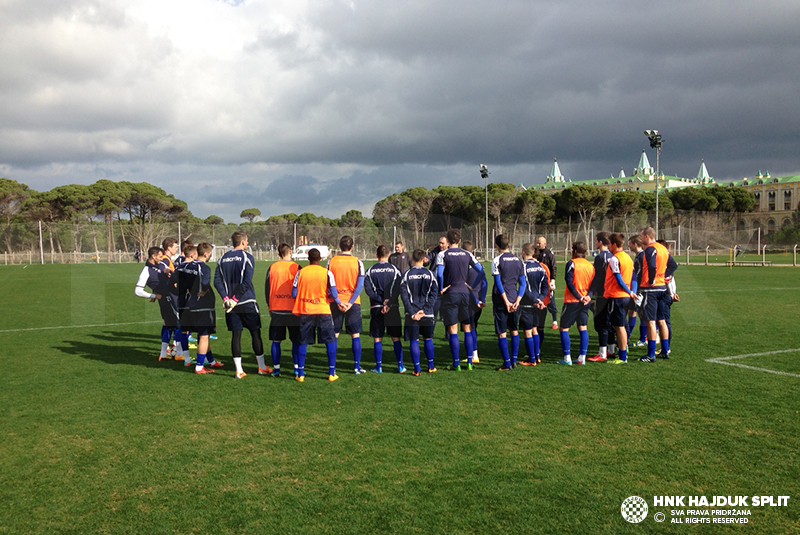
[
  {"x": 88, "y": 326},
  {"x": 724, "y": 360}
]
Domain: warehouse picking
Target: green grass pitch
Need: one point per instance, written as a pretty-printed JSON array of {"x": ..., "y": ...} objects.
[{"x": 99, "y": 437}]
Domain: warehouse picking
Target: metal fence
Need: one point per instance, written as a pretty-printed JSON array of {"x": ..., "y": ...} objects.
[{"x": 95, "y": 242}]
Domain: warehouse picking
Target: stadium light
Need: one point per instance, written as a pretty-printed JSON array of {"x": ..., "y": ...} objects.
[
  {"x": 485, "y": 177},
  {"x": 655, "y": 143}
]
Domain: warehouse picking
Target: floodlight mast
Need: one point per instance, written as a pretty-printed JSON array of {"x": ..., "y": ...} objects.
[
  {"x": 485, "y": 177},
  {"x": 655, "y": 143}
]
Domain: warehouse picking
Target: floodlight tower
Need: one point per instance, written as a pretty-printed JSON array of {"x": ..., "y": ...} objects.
[
  {"x": 485, "y": 177},
  {"x": 655, "y": 143}
]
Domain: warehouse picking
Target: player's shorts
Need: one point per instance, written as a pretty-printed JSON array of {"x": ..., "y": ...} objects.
[
  {"x": 650, "y": 302},
  {"x": 476, "y": 315},
  {"x": 572, "y": 313},
  {"x": 351, "y": 320},
  {"x": 316, "y": 327},
  {"x": 529, "y": 317},
  {"x": 618, "y": 311},
  {"x": 280, "y": 323},
  {"x": 168, "y": 304},
  {"x": 239, "y": 321},
  {"x": 504, "y": 320},
  {"x": 456, "y": 308},
  {"x": 664, "y": 304},
  {"x": 389, "y": 323},
  {"x": 414, "y": 329}
]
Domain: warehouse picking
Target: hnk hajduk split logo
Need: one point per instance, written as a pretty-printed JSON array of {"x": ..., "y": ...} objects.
[{"x": 634, "y": 509}]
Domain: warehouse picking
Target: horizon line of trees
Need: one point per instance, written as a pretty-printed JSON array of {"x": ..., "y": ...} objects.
[{"x": 138, "y": 211}]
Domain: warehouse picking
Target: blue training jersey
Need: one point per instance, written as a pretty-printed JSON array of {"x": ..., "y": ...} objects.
[
  {"x": 454, "y": 268},
  {"x": 509, "y": 273},
  {"x": 234, "y": 279},
  {"x": 419, "y": 290},
  {"x": 194, "y": 278},
  {"x": 381, "y": 282},
  {"x": 536, "y": 288},
  {"x": 599, "y": 280}
]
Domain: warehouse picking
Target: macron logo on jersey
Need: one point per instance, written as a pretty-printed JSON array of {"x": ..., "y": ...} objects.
[{"x": 230, "y": 259}]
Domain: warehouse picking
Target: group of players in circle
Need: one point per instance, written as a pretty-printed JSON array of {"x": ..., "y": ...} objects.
[{"x": 314, "y": 304}]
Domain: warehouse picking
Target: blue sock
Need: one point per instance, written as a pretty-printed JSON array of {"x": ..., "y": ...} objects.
[
  {"x": 302, "y": 349},
  {"x": 651, "y": 348},
  {"x": 584, "y": 345},
  {"x": 530, "y": 348},
  {"x": 356, "y": 352},
  {"x": 664, "y": 347},
  {"x": 469, "y": 347},
  {"x": 210, "y": 356},
  {"x": 502, "y": 343},
  {"x": 623, "y": 354},
  {"x": 429, "y": 352},
  {"x": 201, "y": 358},
  {"x": 565, "y": 343},
  {"x": 330, "y": 349},
  {"x": 377, "y": 348},
  {"x": 474, "y": 334},
  {"x": 275, "y": 351},
  {"x": 642, "y": 332},
  {"x": 631, "y": 325},
  {"x": 398, "y": 352},
  {"x": 295, "y": 353},
  {"x": 514, "y": 347},
  {"x": 177, "y": 334},
  {"x": 164, "y": 335},
  {"x": 537, "y": 341},
  {"x": 414, "y": 348},
  {"x": 455, "y": 347}
]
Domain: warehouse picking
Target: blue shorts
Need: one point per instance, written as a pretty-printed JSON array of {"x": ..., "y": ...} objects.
[
  {"x": 456, "y": 308},
  {"x": 350, "y": 319},
  {"x": 618, "y": 311},
  {"x": 529, "y": 317},
  {"x": 649, "y": 309},
  {"x": 574, "y": 313},
  {"x": 504, "y": 320},
  {"x": 168, "y": 304},
  {"x": 315, "y": 327},
  {"x": 239, "y": 321},
  {"x": 415, "y": 329},
  {"x": 390, "y": 323}
]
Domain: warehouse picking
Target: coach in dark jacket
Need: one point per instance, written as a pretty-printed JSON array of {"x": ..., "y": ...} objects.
[{"x": 547, "y": 258}]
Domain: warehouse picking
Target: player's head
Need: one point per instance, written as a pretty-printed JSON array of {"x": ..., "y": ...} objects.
[
  {"x": 501, "y": 242},
  {"x": 648, "y": 235},
  {"x": 154, "y": 254},
  {"x": 443, "y": 243},
  {"x": 635, "y": 243},
  {"x": 418, "y": 257},
  {"x": 467, "y": 246},
  {"x": 184, "y": 245},
  {"x": 616, "y": 241},
  {"x": 382, "y": 252},
  {"x": 541, "y": 242},
  {"x": 170, "y": 246},
  {"x": 239, "y": 239},
  {"x": 190, "y": 252},
  {"x": 346, "y": 244},
  {"x": 527, "y": 250},
  {"x": 285, "y": 251},
  {"x": 664, "y": 243},
  {"x": 602, "y": 239},
  {"x": 314, "y": 256},
  {"x": 578, "y": 249},
  {"x": 399, "y": 247},
  {"x": 453, "y": 237},
  {"x": 204, "y": 251}
]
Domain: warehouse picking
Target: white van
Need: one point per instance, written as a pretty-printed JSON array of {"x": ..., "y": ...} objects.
[{"x": 301, "y": 253}]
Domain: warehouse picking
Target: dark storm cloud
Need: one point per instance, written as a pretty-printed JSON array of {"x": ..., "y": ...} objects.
[{"x": 364, "y": 92}]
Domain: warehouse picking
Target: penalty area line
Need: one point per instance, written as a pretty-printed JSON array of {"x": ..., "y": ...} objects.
[{"x": 724, "y": 360}]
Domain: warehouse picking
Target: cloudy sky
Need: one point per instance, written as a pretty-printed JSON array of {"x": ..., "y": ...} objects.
[{"x": 330, "y": 105}]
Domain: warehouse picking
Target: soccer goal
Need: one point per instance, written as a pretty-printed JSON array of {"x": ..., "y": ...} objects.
[{"x": 672, "y": 245}]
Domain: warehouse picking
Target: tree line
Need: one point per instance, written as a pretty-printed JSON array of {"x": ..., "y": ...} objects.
[{"x": 135, "y": 214}]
